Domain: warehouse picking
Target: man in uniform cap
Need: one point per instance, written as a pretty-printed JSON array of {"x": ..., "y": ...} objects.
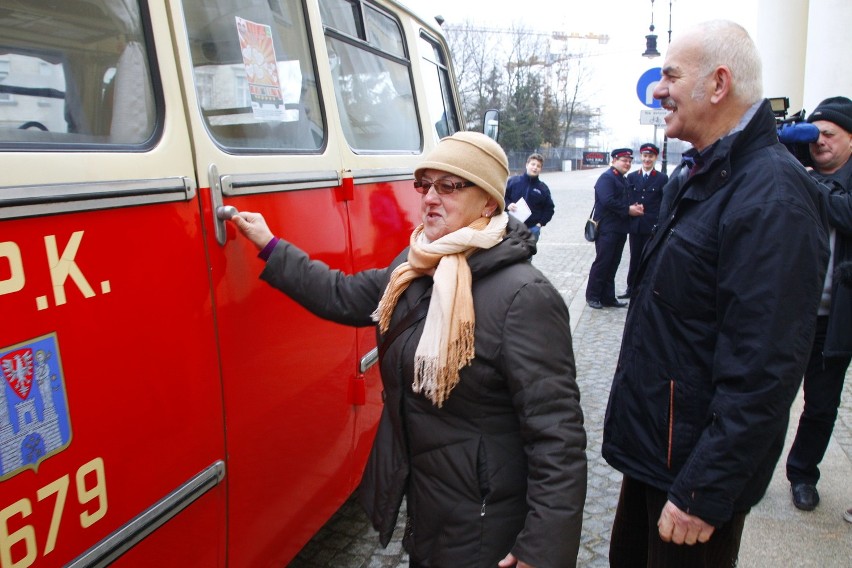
[
  {"x": 612, "y": 212},
  {"x": 646, "y": 188},
  {"x": 832, "y": 347}
]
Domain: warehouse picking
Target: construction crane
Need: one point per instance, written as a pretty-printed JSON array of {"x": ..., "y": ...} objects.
[
  {"x": 564, "y": 36},
  {"x": 556, "y": 36}
]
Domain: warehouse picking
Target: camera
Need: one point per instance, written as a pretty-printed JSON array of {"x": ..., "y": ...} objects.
[{"x": 793, "y": 131}]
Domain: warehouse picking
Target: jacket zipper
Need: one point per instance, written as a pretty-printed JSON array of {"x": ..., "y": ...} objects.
[{"x": 671, "y": 423}]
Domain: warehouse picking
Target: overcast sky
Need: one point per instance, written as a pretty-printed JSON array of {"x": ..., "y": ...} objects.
[{"x": 618, "y": 64}]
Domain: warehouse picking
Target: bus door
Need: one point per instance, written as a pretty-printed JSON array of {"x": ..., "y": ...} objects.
[
  {"x": 262, "y": 143},
  {"x": 111, "y": 425}
]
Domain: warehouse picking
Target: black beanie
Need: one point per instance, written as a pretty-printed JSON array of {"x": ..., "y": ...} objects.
[{"x": 834, "y": 109}]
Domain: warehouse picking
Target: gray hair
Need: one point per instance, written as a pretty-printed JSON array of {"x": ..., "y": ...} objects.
[{"x": 724, "y": 42}]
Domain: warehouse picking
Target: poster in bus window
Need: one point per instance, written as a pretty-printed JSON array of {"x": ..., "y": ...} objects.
[
  {"x": 34, "y": 419},
  {"x": 267, "y": 100}
]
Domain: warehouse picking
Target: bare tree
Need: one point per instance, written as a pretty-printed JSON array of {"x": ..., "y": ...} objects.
[{"x": 540, "y": 93}]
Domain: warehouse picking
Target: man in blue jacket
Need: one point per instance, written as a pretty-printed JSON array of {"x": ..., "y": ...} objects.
[
  {"x": 612, "y": 212},
  {"x": 719, "y": 329},
  {"x": 534, "y": 192},
  {"x": 646, "y": 188}
]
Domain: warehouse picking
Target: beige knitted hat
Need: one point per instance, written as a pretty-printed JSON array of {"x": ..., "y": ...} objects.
[{"x": 474, "y": 157}]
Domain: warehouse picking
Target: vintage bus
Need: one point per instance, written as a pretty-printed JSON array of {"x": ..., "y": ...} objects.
[{"x": 159, "y": 405}]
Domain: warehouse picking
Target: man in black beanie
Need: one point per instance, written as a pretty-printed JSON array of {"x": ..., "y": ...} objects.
[{"x": 832, "y": 347}]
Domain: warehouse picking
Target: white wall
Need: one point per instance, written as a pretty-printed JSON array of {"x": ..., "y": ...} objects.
[
  {"x": 828, "y": 66},
  {"x": 781, "y": 38}
]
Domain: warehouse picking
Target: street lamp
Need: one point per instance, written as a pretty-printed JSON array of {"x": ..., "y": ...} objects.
[
  {"x": 651, "y": 52},
  {"x": 651, "y": 39}
]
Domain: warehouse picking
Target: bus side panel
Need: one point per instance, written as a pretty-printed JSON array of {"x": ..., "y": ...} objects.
[
  {"x": 120, "y": 326},
  {"x": 286, "y": 384},
  {"x": 194, "y": 537}
]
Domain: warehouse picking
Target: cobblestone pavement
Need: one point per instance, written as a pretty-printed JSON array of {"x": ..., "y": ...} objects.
[{"x": 349, "y": 541}]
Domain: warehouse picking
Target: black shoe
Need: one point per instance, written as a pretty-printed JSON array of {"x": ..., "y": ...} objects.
[
  {"x": 615, "y": 304},
  {"x": 626, "y": 295},
  {"x": 805, "y": 496},
  {"x": 595, "y": 305}
]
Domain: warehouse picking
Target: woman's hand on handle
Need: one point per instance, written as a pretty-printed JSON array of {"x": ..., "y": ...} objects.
[{"x": 253, "y": 227}]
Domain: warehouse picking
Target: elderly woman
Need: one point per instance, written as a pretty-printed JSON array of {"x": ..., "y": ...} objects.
[{"x": 481, "y": 429}]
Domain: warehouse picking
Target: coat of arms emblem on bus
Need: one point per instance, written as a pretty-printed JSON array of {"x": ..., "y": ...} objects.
[{"x": 34, "y": 420}]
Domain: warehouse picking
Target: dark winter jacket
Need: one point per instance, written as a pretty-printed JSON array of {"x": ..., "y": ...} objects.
[
  {"x": 719, "y": 331},
  {"x": 501, "y": 466},
  {"x": 612, "y": 208},
  {"x": 537, "y": 195},
  {"x": 837, "y": 192},
  {"x": 649, "y": 193}
]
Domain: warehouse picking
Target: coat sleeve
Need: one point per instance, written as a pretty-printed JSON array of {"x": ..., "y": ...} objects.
[
  {"x": 771, "y": 266},
  {"x": 838, "y": 201},
  {"x": 325, "y": 292},
  {"x": 548, "y": 208},
  {"x": 541, "y": 377},
  {"x": 611, "y": 196}
]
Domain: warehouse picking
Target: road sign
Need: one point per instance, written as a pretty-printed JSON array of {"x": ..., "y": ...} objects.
[
  {"x": 655, "y": 116},
  {"x": 645, "y": 87}
]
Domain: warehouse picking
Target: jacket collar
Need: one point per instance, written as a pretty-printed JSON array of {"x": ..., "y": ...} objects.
[{"x": 517, "y": 246}]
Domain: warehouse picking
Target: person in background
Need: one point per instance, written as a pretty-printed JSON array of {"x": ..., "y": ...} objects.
[
  {"x": 831, "y": 351},
  {"x": 717, "y": 336},
  {"x": 612, "y": 212},
  {"x": 481, "y": 428},
  {"x": 646, "y": 188},
  {"x": 534, "y": 192}
]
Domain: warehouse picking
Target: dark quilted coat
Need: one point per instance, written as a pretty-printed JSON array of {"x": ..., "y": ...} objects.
[{"x": 501, "y": 466}]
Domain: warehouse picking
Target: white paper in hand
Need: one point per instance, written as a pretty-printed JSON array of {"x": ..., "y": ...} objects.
[{"x": 522, "y": 212}]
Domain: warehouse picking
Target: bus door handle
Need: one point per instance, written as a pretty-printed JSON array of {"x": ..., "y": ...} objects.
[
  {"x": 226, "y": 212},
  {"x": 221, "y": 212}
]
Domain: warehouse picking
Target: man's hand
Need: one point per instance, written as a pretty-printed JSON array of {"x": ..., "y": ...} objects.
[
  {"x": 636, "y": 210},
  {"x": 681, "y": 528},
  {"x": 253, "y": 227},
  {"x": 512, "y": 207},
  {"x": 510, "y": 561}
]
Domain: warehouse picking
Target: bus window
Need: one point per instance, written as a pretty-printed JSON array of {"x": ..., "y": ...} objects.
[
  {"x": 254, "y": 74},
  {"x": 53, "y": 87},
  {"x": 372, "y": 77},
  {"x": 439, "y": 94}
]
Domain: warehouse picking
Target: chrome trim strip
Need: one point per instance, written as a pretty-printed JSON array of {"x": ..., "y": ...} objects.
[
  {"x": 110, "y": 548},
  {"x": 34, "y": 200},
  {"x": 370, "y": 359},
  {"x": 382, "y": 175},
  {"x": 248, "y": 184}
]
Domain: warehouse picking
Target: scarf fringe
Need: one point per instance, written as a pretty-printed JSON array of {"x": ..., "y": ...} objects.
[{"x": 437, "y": 382}]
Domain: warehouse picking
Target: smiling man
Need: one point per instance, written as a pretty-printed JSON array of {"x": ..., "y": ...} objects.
[{"x": 719, "y": 331}]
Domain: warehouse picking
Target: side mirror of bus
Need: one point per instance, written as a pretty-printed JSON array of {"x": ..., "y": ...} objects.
[{"x": 491, "y": 123}]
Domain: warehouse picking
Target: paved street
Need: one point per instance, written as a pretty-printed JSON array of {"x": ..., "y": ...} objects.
[{"x": 776, "y": 533}]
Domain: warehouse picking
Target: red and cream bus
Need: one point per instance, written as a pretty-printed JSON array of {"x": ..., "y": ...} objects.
[{"x": 159, "y": 405}]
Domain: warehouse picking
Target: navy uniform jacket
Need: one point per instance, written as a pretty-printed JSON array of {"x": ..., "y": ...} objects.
[
  {"x": 650, "y": 194},
  {"x": 537, "y": 195},
  {"x": 611, "y": 202}
]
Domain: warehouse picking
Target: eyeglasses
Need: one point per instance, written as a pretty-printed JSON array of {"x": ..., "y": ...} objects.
[{"x": 442, "y": 186}]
